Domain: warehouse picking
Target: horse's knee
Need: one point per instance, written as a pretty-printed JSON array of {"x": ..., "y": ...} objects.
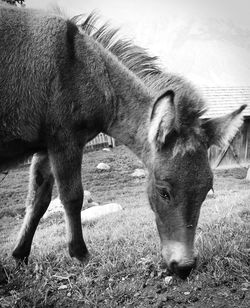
[
  {"x": 72, "y": 205},
  {"x": 40, "y": 168},
  {"x": 41, "y": 182}
]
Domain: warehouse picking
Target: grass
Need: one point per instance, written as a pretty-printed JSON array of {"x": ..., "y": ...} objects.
[{"x": 125, "y": 268}]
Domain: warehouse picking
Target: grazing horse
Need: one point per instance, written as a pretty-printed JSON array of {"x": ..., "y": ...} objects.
[{"x": 60, "y": 87}]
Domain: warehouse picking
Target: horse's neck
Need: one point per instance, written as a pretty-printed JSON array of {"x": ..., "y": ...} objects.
[
  {"x": 130, "y": 119},
  {"x": 126, "y": 100}
]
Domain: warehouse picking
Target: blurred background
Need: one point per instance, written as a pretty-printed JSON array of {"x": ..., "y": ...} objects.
[{"x": 208, "y": 42}]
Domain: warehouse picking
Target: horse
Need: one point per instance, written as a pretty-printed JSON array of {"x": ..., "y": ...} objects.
[{"x": 60, "y": 87}]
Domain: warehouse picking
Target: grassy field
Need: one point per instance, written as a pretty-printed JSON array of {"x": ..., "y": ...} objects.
[{"x": 125, "y": 268}]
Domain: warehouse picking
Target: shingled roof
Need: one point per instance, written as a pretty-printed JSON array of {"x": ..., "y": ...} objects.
[{"x": 223, "y": 100}]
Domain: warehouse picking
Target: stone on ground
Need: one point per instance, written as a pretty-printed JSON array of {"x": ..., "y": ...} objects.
[
  {"x": 91, "y": 210},
  {"x": 103, "y": 166},
  {"x": 56, "y": 204},
  {"x": 139, "y": 173},
  {"x": 106, "y": 149},
  {"x": 95, "y": 212}
]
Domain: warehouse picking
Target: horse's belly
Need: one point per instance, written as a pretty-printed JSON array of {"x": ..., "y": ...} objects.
[{"x": 16, "y": 151}]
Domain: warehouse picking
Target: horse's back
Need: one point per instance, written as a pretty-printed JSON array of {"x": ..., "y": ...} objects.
[
  {"x": 30, "y": 44},
  {"x": 30, "y": 41}
]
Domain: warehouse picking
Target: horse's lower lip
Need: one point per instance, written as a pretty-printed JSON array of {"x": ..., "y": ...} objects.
[{"x": 182, "y": 271}]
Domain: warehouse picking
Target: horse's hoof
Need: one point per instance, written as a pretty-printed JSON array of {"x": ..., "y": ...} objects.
[
  {"x": 80, "y": 253},
  {"x": 85, "y": 260},
  {"x": 20, "y": 259}
]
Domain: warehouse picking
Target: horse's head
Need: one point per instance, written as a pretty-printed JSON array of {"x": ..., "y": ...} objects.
[{"x": 179, "y": 172}]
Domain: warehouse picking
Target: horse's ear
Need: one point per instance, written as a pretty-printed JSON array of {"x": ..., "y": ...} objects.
[
  {"x": 162, "y": 120},
  {"x": 220, "y": 131}
]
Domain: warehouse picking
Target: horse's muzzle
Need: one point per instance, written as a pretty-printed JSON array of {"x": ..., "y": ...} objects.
[
  {"x": 179, "y": 259},
  {"x": 182, "y": 271}
]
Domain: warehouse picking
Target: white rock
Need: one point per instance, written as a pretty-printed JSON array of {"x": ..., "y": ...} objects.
[
  {"x": 168, "y": 280},
  {"x": 87, "y": 196},
  {"x": 56, "y": 204},
  {"x": 139, "y": 173},
  {"x": 63, "y": 287},
  {"x": 103, "y": 166},
  {"x": 211, "y": 194},
  {"x": 106, "y": 149},
  {"x": 95, "y": 212},
  {"x": 54, "y": 207}
]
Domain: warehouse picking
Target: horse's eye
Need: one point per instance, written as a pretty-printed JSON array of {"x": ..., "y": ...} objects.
[{"x": 165, "y": 194}]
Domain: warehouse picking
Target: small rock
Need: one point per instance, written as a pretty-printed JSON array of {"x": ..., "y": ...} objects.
[
  {"x": 139, "y": 173},
  {"x": 87, "y": 196},
  {"x": 211, "y": 194},
  {"x": 103, "y": 166},
  {"x": 63, "y": 287},
  {"x": 54, "y": 207},
  {"x": 87, "y": 205},
  {"x": 95, "y": 212},
  {"x": 88, "y": 201},
  {"x": 168, "y": 280},
  {"x": 56, "y": 204}
]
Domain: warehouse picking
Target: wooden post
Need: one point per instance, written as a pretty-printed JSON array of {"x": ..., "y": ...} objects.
[
  {"x": 248, "y": 175},
  {"x": 235, "y": 155},
  {"x": 220, "y": 157},
  {"x": 246, "y": 146},
  {"x": 110, "y": 143}
]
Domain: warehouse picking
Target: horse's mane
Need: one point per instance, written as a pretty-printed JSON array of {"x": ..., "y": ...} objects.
[
  {"x": 132, "y": 56},
  {"x": 189, "y": 104}
]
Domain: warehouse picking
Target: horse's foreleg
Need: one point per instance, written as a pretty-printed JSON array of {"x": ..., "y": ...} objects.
[
  {"x": 39, "y": 197},
  {"x": 66, "y": 166}
]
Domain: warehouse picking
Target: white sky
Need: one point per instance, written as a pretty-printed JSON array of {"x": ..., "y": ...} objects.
[
  {"x": 158, "y": 25},
  {"x": 127, "y": 10}
]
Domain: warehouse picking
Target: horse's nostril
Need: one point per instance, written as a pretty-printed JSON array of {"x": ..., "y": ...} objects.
[
  {"x": 182, "y": 271},
  {"x": 173, "y": 266}
]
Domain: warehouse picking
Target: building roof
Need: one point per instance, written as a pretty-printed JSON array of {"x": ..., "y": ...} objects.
[{"x": 223, "y": 100}]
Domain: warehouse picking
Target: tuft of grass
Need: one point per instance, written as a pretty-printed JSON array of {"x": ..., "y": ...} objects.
[
  {"x": 125, "y": 268},
  {"x": 223, "y": 251}
]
